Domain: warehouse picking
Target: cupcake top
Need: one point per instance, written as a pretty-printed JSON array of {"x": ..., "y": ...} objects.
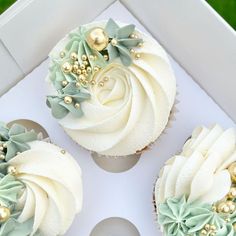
[
  {"x": 37, "y": 196},
  {"x": 111, "y": 87},
  {"x": 196, "y": 191}
]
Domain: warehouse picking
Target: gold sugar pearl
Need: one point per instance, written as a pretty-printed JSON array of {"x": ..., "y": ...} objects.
[
  {"x": 96, "y": 68},
  {"x": 64, "y": 83},
  {"x": 67, "y": 67},
  {"x": 79, "y": 72},
  {"x": 75, "y": 68},
  {"x": 106, "y": 78},
  {"x": 137, "y": 56},
  {"x": 89, "y": 69},
  {"x": 81, "y": 77},
  {"x": 62, "y": 54},
  {"x": 106, "y": 57},
  {"x": 1, "y": 148},
  {"x": 91, "y": 57},
  {"x": 63, "y": 151},
  {"x": 4, "y": 145},
  {"x": 136, "y": 36},
  {"x": 68, "y": 99},
  {"x": 84, "y": 57},
  {"x": 85, "y": 63},
  {"x": 92, "y": 82},
  {"x": 73, "y": 56},
  {"x": 140, "y": 45},
  {"x": 97, "y": 39},
  {"x": 84, "y": 71},
  {"x": 77, "y": 105},
  {"x": 232, "y": 171},
  {"x": 82, "y": 67},
  {"x": 2, "y": 156},
  {"x": 76, "y": 63},
  {"x": 234, "y": 225},
  {"x": 77, "y": 84},
  {"x": 114, "y": 42},
  {"x": 101, "y": 84},
  {"x": 132, "y": 50},
  {"x": 132, "y": 36},
  {"x": 232, "y": 193},
  {"x": 12, "y": 170},
  {"x": 5, "y": 214}
]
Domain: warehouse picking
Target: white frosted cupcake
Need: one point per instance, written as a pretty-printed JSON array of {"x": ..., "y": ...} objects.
[
  {"x": 37, "y": 196},
  {"x": 112, "y": 87},
  {"x": 196, "y": 190}
]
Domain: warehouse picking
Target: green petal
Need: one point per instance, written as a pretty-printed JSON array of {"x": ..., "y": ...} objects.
[
  {"x": 124, "y": 55},
  {"x": 129, "y": 43},
  {"x": 58, "y": 111},
  {"x": 112, "y": 52},
  {"x": 125, "y": 31},
  {"x": 111, "y": 28}
]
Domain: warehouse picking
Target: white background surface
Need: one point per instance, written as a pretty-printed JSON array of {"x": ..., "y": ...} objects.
[{"x": 128, "y": 194}]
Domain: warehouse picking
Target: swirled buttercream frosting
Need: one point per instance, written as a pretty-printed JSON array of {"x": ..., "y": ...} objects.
[
  {"x": 40, "y": 185},
  {"x": 111, "y": 87},
  {"x": 195, "y": 193}
]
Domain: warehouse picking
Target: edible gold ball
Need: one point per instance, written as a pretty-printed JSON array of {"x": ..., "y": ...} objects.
[
  {"x": 232, "y": 171},
  {"x": 67, "y": 67},
  {"x": 93, "y": 82},
  {"x": 91, "y": 57},
  {"x": 77, "y": 105},
  {"x": 84, "y": 57},
  {"x": 96, "y": 68},
  {"x": 101, "y": 84},
  {"x": 137, "y": 56},
  {"x": 97, "y": 39},
  {"x": 106, "y": 57},
  {"x": 62, "y": 54},
  {"x": 12, "y": 170},
  {"x": 114, "y": 42},
  {"x": 89, "y": 69},
  {"x": 78, "y": 72},
  {"x": 4, "y": 214},
  {"x": 68, "y": 100},
  {"x": 1, "y": 148},
  {"x": 2, "y": 157},
  {"x": 82, "y": 67},
  {"x": 77, "y": 84},
  {"x": 73, "y": 56},
  {"x": 75, "y": 68},
  {"x": 4, "y": 145},
  {"x": 81, "y": 78},
  {"x": 64, "y": 83},
  {"x": 232, "y": 193}
]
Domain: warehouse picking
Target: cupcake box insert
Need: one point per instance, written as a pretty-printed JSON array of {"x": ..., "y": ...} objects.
[{"x": 128, "y": 194}]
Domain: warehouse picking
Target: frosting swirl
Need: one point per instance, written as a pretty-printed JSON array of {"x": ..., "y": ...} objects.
[
  {"x": 195, "y": 190},
  {"x": 204, "y": 159},
  {"x": 51, "y": 196},
  {"x": 131, "y": 109}
]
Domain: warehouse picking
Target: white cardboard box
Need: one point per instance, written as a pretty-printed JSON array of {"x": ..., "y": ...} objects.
[{"x": 128, "y": 194}]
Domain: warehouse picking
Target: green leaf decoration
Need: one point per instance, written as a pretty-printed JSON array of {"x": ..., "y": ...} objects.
[
  {"x": 14, "y": 228},
  {"x": 60, "y": 109},
  {"x": 9, "y": 190},
  {"x": 124, "y": 42},
  {"x": 15, "y": 140}
]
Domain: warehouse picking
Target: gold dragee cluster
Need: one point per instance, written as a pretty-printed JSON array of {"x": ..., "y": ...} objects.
[
  {"x": 209, "y": 229},
  {"x": 2, "y": 148},
  {"x": 83, "y": 71}
]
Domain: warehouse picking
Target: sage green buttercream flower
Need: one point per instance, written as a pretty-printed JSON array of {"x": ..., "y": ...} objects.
[
  {"x": 121, "y": 42},
  {"x": 60, "y": 107},
  {"x": 14, "y": 140},
  {"x": 172, "y": 216}
]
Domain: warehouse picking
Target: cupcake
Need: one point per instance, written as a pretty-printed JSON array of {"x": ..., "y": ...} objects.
[
  {"x": 195, "y": 193},
  {"x": 37, "y": 196},
  {"x": 111, "y": 87}
]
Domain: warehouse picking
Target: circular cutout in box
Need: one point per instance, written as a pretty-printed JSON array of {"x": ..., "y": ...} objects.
[
  {"x": 115, "y": 226},
  {"x": 115, "y": 164}
]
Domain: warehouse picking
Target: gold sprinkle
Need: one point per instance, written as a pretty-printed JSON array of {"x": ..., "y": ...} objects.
[
  {"x": 77, "y": 84},
  {"x": 114, "y": 42},
  {"x": 132, "y": 36},
  {"x": 81, "y": 78},
  {"x": 106, "y": 78},
  {"x": 77, "y": 105},
  {"x": 106, "y": 57},
  {"x": 91, "y": 57},
  {"x": 68, "y": 100},
  {"x": 62, "y": 54},
  {"x": 137, "y": 56},
  {"x": 73, "y": 56},
  {"x": 96, "y": 68},
  {"x": 132, "y": 50},
  {"x": 63, "y": 151},
  {"x": 82, "y": 67},
  {"x": 67, "y": 67},
  {"x": 89, "y": 69},
  {"x": 64, "y": 83},
  {"x": 2, "y": 157},
  {"x": 84, "y": 57},
  {"x": 93, "y": 82},
  {"x": 101, "y": 84},
  {"x": 78, "y": 72},
  {"x": 140, "y": 45}
]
